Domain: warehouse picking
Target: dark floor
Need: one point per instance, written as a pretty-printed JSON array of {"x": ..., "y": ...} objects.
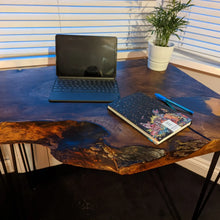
[{"x": 67, "y": 192}]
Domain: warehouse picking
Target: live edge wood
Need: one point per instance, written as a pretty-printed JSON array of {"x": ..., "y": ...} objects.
[{"x": 88, "y": 135}]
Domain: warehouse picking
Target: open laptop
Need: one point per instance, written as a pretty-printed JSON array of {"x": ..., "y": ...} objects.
[{"x": 85, "y": 69}]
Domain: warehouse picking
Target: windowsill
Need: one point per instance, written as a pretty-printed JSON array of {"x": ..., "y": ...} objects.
[{"x": 201, "y": 65}]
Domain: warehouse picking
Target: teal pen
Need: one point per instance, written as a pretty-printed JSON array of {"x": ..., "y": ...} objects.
[{"x": 168, "y": 101}]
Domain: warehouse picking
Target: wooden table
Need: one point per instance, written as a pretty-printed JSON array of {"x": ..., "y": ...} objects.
[{"x": 88, "y": 135}]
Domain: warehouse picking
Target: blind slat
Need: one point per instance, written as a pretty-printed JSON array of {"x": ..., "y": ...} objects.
[
  {"x": 30, "y": 24},
  {"x": 207, "y": 4},
  {"x": 28, "y": 17},
  {"x": 199, "y": 37},
  {"x": 131, "y": 31},
  {"x": 69, "y": 16},
  {"x": 206, "y": 11},
  {"x": 202, "y": 31},
  {"x": 103, "y": 23},
  {"x": 85, "y": 10},
  {"x": 5, "y": 53},
  {"x": 207, "y": 45},
  {"x": 115, "y": 16},
  {"x": 25, "y": 9},
  {"x": 29, "y": 2},
  {"x": 204, "y": 38},
  {"x": 45, "y": 37},
  {"x": 104, "y": 10},
  {"x": 108, "y": 3},
  {"x": 204, "y": 25},
  {"x": 205, "y": 18},
  {"x": 12, "y": 31},
  {"x": 26, "y": 44},
  {"x": 134, "y": 3}
]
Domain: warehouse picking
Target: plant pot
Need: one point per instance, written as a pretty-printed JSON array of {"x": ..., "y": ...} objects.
[{"x": 159, "y": 57}]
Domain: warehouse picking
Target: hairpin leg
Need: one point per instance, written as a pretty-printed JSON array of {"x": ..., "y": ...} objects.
[
  {"x": 33, "y": 158},
  {"x": 26, "y": 163},
  {"x": 13, "y": 191},
  {"x": 13, "y": 158},
  {"x": 3, "y": 162},
  {"x": 202, "y": 199}
]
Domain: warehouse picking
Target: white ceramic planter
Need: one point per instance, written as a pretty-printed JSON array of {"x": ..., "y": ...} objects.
[{"x": 159, "y": 57}]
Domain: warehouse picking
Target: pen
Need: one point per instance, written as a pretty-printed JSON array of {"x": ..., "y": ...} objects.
[{"x": 168, "y": 101}]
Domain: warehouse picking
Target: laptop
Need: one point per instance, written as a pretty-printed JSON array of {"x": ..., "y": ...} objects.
[{"x": 85, "y": 69}]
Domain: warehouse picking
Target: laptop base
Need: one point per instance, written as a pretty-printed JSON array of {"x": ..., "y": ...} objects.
[{"x": 83, "y": 97}]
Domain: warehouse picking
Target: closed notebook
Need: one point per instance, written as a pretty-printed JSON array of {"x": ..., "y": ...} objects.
[{"x": 151, "y": 117}]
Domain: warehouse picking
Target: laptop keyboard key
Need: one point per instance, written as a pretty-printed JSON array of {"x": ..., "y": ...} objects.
[{"x": 87, "y": 86}]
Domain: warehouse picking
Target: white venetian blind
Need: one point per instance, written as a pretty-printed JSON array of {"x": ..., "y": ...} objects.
[
  {"x": 28, "y": 27},
  {"x": 201, "y": 38}
]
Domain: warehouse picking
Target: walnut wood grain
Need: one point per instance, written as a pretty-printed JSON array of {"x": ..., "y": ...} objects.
[{"x": 88, "y": 135}]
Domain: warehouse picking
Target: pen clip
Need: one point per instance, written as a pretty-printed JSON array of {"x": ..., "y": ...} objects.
[
  {"x": 170, "y": 102},
  {"x": 170, "y": 105},
  {"x": 178, "y": 107}
]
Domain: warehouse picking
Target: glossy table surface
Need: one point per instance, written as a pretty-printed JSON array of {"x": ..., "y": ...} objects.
[{"x": 88, "y": 135}]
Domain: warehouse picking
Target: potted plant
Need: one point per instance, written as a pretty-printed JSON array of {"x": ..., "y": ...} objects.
[{"x": 165, "y": 22}]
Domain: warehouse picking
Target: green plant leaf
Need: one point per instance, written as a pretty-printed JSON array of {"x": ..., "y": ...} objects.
[{"x": 166, "y": 22}]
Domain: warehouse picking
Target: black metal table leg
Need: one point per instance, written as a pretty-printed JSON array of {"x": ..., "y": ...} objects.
[
  {"x": 202, "y": 199},
  {"x": 12, "y": 189},
  {"x": 4, "y": 183},
  {"x": 3, "y": 162}
]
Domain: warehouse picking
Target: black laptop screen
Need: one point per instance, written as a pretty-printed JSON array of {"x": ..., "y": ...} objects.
[{"x": 86, "y": 56}]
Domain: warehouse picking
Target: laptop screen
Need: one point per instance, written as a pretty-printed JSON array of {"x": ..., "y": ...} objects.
[{"x": 86, "y": 56}]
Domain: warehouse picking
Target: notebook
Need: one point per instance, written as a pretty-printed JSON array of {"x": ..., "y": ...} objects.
[
  {"x": 85, "y": 69},
  {"x": 151, "y": 117}
]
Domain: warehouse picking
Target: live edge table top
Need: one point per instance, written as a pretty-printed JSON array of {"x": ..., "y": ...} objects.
[{"x": 90, "y": 136}]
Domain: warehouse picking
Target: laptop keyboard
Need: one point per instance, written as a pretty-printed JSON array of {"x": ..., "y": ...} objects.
[{"x": 87, "y": 86}]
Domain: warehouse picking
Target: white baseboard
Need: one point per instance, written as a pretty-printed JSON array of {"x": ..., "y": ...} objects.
[{"x": 199, "y": 166}]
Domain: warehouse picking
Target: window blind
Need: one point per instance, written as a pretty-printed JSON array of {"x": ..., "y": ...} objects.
[
  {"x": 203, "y": 32},
  {"x": 28, "y": 27},
  {"x": 200, "y": 41}
]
